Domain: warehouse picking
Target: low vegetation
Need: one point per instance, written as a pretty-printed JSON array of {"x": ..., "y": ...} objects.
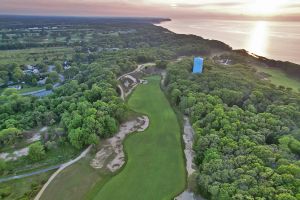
[
  {"x": 279, "y": 78},
  {"x": 25, "y": 188}
]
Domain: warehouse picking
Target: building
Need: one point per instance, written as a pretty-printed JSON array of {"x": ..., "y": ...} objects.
[
  {"x": 31, "y": 70},
  {"x": 198, "y": 65},
  {"x": 17, "y": 87}
]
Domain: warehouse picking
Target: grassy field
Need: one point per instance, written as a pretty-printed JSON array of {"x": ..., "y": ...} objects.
[
  {"x": 155, "y": 165},
  {"x": 34, "y": 55},
  {"x": 25, "y": 188},
  {"x": 30, "y": 89},
  {"x": 278, "y": 77},
  {"x": 76, "y": 181}
]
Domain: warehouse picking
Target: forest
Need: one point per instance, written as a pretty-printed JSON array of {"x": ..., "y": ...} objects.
[{"x": 247, "y": 132}]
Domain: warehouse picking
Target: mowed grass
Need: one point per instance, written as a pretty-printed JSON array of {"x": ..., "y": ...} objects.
[
  {"x": 155, "y": 163},
  {"x": 278, "y": 78},
  {"x": 75, "y": 182}
]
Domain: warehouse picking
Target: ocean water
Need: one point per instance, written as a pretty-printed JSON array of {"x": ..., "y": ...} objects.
[{"x": 275, "y": 40}]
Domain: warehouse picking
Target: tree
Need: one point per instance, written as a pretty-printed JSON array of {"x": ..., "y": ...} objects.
[
  {"x": 162, "y": 64},
  {"x": 71, "y": 72},
  {"x": 285, "y": 196},
  {"x": 76, "y": 138},
  {"x": 34, "y": 81},
  {"x": 58, "y": 67},
  {"x": 17, "y": 74},
  {"x": 3, "y": 166},
  {"x": 9, "y": 135},
  {"x": 53, "y": 76},
  {"x": 4, "y": 77},
  {"x": 49, "y": 86},
  {"x": 36, "y": 151},
  {"x": 175, "y": 96}
]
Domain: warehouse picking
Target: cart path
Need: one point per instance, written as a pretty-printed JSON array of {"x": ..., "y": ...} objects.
[{"x": 62, "y": 167}]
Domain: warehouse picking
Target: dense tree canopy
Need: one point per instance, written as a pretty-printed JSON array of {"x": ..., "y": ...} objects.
[{"x": 247, "y": 131}]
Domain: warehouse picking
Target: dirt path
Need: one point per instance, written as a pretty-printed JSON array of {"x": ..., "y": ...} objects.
[
  {"x": 188, "y": 138},
  {"x": 62, "y": 167},
  {"x": 122, "y": 92}
]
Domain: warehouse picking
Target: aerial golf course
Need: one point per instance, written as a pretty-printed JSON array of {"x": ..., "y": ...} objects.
[{"x": 155, "y": 163}]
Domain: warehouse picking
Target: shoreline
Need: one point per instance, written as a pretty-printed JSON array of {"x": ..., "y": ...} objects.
[{"x": 253, "y": 55}]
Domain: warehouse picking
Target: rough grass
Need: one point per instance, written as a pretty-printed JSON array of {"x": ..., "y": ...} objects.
[
  {"x": 25, "y": 188},
  {"x": 61, "y": 154},
  {"x": 155, "y": 162},
  {"x": 34, "y": 56},
  {"x": 278, "y": 78}
]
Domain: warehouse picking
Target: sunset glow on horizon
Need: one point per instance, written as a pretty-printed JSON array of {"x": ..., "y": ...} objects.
[{"x": 155, "y": 8}]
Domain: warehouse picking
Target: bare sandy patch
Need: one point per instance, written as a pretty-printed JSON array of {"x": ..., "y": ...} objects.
[
  {"x": 15, "y": 155},
  {"x": 37, "y": 136},
  {"x": 114, "y": 146}
]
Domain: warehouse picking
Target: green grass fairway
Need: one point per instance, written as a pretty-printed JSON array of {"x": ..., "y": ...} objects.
[
  {"x": 155, "y": 164},
  {"x": 75, "y": 182},
  {"x": 280, "y": 78}
]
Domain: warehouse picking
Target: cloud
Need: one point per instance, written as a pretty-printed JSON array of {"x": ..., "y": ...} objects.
[
  {"x": 218, "y": 9},
  {"x": 211, "y": 4}
]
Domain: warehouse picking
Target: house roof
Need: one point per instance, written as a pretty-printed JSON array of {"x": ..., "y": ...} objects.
[{"x": 198, "y": 65}]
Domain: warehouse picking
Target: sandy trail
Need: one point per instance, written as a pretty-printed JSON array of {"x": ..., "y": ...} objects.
[
  {"x": 188, "y": 138},
  {"x": 114, "y": 146}
]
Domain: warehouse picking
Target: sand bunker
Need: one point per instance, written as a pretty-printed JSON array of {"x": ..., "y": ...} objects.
[{"x": 111, "y": 154}]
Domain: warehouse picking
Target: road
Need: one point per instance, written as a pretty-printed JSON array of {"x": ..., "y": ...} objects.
[
  {"x": 44, "y": 92},
  {"x": 29, "y": 174},
  {"x": 59, "y": 167},
  {"x": 138, "y": 69}
]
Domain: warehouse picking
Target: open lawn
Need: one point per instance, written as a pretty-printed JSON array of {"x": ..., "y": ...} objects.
[
  {"x": 30, "y": 89},
  {"x": 278, "y": 77},
  {"x": 76, "y": 181},
  {"x": 155, "y": 163}
]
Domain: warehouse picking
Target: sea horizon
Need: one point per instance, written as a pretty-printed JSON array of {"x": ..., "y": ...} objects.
[{"x": 262, "y": 38}]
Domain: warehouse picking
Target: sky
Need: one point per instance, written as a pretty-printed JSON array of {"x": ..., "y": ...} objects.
[{"x": 248, "y": 9}]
